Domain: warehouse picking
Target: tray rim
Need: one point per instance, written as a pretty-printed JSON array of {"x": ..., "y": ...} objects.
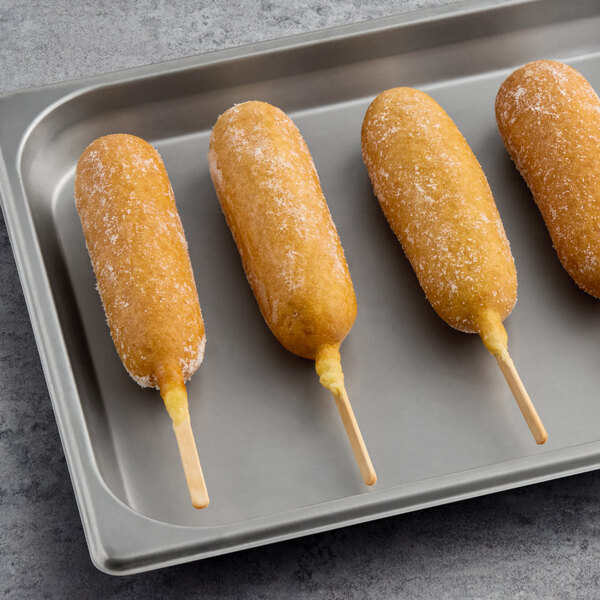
[
  {"x": 455, "y": 9},
  {"x": 91, "y": 491}
]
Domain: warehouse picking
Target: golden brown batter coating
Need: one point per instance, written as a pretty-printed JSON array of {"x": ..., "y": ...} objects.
[
  {"x": 439, "y": 204},
  {"x": 270, "y": 194},
  {"x": 549, "y": 118},
  {"x": 139, "y": 254}
]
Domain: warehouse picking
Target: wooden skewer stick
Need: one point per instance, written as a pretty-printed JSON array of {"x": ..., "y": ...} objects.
[
  {"x": 175, "y": 398},
  {"x": 354, "y": 435},
  {"x": 191, "y": 464},
  {"x": 495, "y": 338},
  {"x": 507, "y": 366},
  {"x": 329, "y": 369}
]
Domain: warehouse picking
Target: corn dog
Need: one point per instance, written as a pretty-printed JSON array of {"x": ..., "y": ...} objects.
[
  {"x": 144, "y": 276},
  {"x": 270, "y": 194},
  {"x": 438, "y": 203},
  {"x": 549, "y": 118}
]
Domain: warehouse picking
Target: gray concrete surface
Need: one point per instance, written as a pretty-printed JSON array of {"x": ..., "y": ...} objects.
[{"x": 537, "y": 542}]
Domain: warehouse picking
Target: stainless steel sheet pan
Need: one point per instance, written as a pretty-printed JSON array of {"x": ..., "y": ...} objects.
[{"x": 436, "y": 414}]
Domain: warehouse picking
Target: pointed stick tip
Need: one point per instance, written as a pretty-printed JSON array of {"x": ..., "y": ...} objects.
[{"x": 199, "y": 500}]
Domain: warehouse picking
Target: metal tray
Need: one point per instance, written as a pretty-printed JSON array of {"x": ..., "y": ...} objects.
[{"x": 436, "y": 414}]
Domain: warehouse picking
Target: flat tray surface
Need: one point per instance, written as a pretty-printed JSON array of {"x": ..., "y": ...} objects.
[{"x": 435, "y": 412}]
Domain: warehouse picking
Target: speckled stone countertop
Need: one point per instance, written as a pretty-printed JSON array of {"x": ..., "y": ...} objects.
[{"x": 537, "y": 542}]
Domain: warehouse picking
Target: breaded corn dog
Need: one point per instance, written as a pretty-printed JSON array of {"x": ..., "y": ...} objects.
[
  {"x": 139, "y": 254},
  {"x": 549, "y": 118},
  {"x": 270, "y": 194},
  {"x": 438, "y": 203}
]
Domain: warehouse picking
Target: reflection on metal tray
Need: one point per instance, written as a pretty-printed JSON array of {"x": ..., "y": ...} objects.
[{"x": 436, "y": 414}]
